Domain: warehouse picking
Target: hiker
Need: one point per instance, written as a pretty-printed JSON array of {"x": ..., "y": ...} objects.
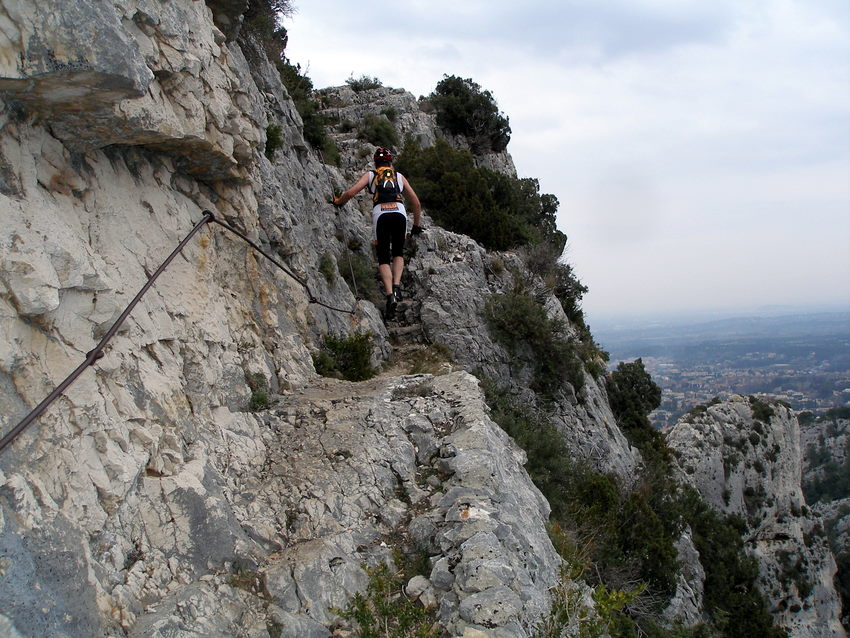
[{"x": 389, "y": 219}]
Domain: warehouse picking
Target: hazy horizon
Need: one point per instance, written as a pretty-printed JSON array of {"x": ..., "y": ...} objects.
[{"x": 696, "y": 316}]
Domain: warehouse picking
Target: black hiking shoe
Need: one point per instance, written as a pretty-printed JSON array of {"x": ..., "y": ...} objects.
[
  {"x": 397, "y": 292},
  {"x": 391, "y": 306}
]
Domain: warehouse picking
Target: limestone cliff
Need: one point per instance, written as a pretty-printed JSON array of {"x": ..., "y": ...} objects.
[
  {"x": 826, "y": 456},
  {"x": 151, "y": 500},
  {"x": 743, "y": 456}
]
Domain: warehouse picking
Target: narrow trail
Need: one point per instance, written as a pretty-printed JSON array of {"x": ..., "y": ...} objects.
[{"x": 407, "y": 336}]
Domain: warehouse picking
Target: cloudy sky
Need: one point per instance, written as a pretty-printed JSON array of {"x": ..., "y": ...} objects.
[{"x": 700, "y": 150}]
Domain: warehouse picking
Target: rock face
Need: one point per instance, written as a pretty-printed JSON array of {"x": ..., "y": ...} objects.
[
  {"x": 743, "y": 456},
  {"x": 269, "y": 522},
  {"x": 150, "y": 500},
  {"x": 826, "y": 449},
  {"x": 139, "y": 74}
]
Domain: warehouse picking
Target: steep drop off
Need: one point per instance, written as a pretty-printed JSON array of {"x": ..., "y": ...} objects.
[{"x": 743, "y": 455}]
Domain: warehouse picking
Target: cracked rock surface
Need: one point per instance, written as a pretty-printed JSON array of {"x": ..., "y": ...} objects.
[{"x": 273, "y": 529}]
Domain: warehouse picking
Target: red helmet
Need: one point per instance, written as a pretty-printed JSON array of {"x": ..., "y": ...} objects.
[{"x": 383, "y": 156}]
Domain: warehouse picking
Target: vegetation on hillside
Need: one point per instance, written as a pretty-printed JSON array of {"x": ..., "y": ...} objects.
[
  {"x": 378, "y": 130},
  {"x": 521, "y": 324},
  {"x": 300, "y": 89},
  {"x": 633, "y": 395},
  {"x": 830, "y": 481},
  {"x": 384, "y": 610},
  {"x": 263, "y": 18},
  {"x": 346, "y": 358},
  {"x": 498, "y": 211},
  {"x": 363, "y": 83},
  {"x": 463, "y": 108},
  {"x": 621, "y": 537}
]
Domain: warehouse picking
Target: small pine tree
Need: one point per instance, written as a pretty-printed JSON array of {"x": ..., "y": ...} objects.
[{"x": 463, "y": 108}]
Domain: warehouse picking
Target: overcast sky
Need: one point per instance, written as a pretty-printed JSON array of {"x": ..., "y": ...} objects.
[{"x": 700, "y": 150}]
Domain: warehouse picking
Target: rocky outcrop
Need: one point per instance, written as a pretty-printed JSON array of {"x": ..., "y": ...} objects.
[
  {"x": 149, "y": 499},
  {"x": 743, "y": 456},
  {"x": 826, "y": 448},
  {"x": 413, "y": 120},
  {"x": 416, "y": 454},
  {"x": 148, "y": 74},
  {"x": 446, "y": 267},
  {"x": 266, "y": 521}
]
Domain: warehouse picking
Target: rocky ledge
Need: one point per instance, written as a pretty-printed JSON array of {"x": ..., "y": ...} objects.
[{"x": 271, "y": 525}]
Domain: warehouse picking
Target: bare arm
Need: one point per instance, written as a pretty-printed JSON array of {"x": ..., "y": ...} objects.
[
  {"x": 351, "y": 192},
  {"x": 412, "y": 199}
]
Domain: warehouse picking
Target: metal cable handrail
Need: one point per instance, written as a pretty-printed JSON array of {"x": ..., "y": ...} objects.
[
  {"x": 97, "y": 352},
  {"x": 313, "y": 299}
]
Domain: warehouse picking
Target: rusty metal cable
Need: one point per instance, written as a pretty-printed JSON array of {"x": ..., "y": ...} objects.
[
  {"x": 97, "y": 352},
  {"x": 303, "y": 283}
]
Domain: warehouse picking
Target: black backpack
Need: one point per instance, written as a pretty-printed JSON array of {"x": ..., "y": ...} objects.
[{"x": 384, "y": 185}]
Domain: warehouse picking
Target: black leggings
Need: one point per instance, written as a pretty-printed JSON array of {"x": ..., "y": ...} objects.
[{"x": 390, "y": 231}]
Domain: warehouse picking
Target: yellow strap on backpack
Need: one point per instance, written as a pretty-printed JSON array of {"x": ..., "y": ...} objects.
[{"x": 386, "y": 173}]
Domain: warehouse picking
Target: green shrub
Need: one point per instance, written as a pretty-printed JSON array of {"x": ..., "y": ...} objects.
[
  {"x": 464, "y": 109},
  {"x": 330, "y": 152},
  {"x": 520, "y": 323},
  {"x": 259, "y": 391},
  {"x": 274, "y": 140},
  {"x": 633, "y": 395},
  {"x": 300, "y": 88},
  {"x": 378, "y": 130},
  {"x": 259, "y": 401},
  {"x": 346, "y": 357},
  {"x": 264, "y": 18},
  {"x": 363, "y": 83},
  {"x": 361, "y": 276},
  {"x": 391, "y": 113},
  {"x": 498, "y": 211},
  {"x": 327, "y": 268},
  {"x": 730, "y": 462},
  {"x": 806, "y": 418},
  {"x": 762, "y": 411},
  {"x": 831, "y": 483},
  {"x": 385, "y": 611}
]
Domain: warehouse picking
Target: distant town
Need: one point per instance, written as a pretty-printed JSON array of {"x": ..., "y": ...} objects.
[{"x": 803, "y": 360}]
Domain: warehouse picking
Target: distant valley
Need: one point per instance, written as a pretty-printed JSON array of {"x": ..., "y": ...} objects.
[{"x": 803, "y": 359}]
